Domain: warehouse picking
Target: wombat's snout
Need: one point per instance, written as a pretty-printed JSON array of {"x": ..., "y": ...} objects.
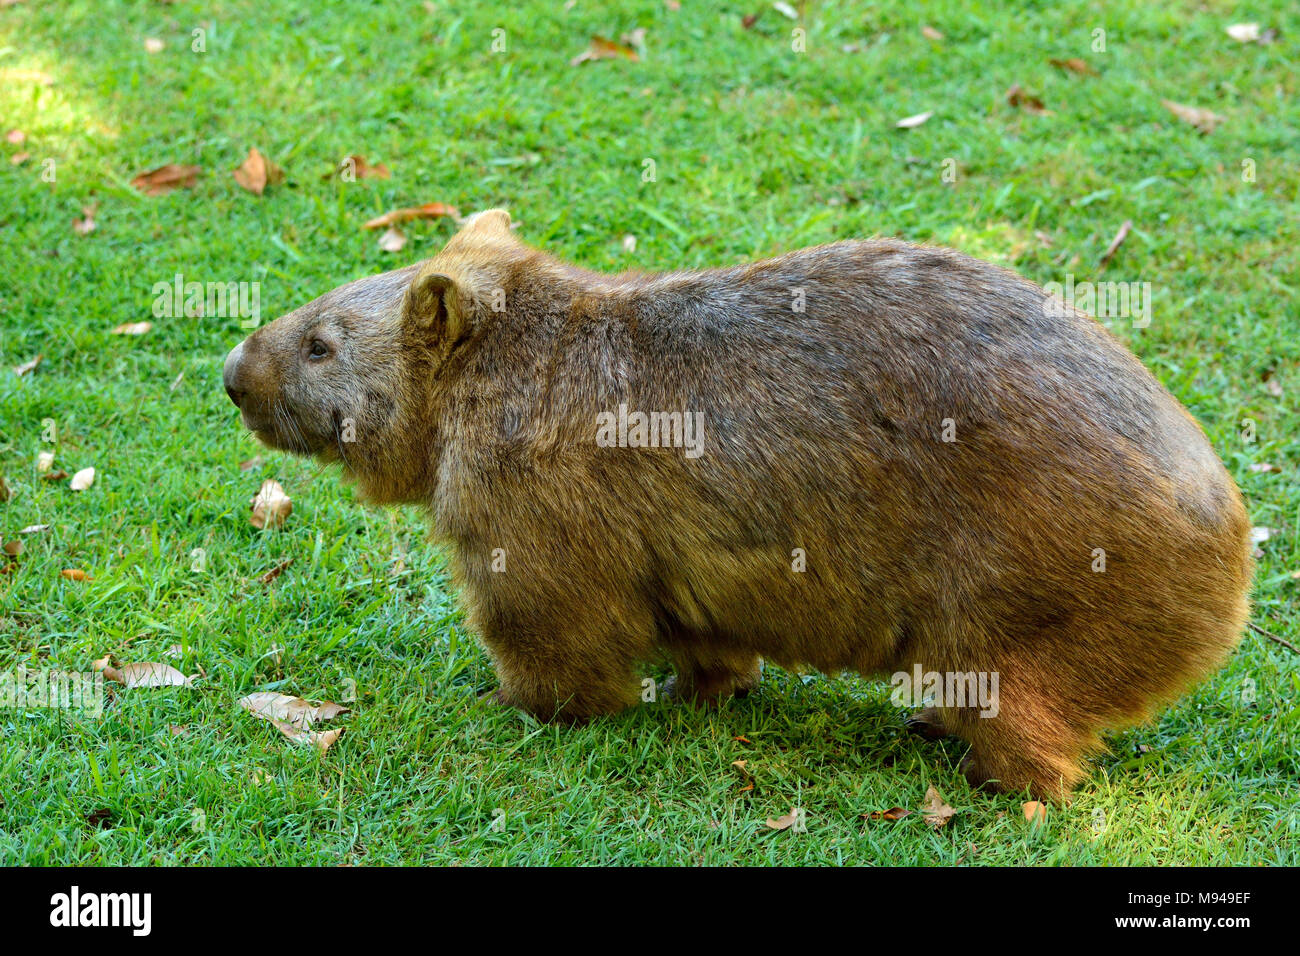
[{"x": 231, "y": 375}]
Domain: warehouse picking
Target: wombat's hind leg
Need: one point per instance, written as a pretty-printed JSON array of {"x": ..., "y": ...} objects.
[
  {"x": 712, "y": 680},
  {"x": 927, "y": 723}
]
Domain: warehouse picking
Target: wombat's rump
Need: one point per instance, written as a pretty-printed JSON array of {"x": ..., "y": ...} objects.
[{"x": 902, "y": 456}]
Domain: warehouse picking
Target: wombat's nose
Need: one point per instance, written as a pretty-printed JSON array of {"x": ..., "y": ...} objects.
[{"x": 230, "y": 374}]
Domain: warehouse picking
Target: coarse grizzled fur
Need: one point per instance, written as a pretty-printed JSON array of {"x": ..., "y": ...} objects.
[{"x": 904, "y": 457}]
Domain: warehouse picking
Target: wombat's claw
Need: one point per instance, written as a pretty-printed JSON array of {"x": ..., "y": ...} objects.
[{"x": 926, "y": 723}]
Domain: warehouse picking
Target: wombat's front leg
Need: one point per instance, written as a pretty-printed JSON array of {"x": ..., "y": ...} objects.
[
  {"x": 570, "y": 675},
  {"x": 711, "y": 679}
]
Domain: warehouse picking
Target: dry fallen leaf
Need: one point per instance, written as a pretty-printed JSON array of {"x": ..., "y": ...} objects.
[
  {"x": 1260, "y": 534},
  {"x": 355, "y": 167},
  {"x": 257, "y": 172},
  {"x": 1202, "y": 119},
  {"x": 1034, "y": 811},
  {"x": 75, "y": 574},
  {"x": 604, "y": 49},
  {"x": 153, "y": 45},
  {"x": 930, "y": 33},
  {"x": 28, "y": 366},
  {"x": 937, "y": 812},
  {"x": 1026, "y": 101},
  {"x": 270, "y": 506},
  {"x": 1263, "y": 468},
  {"x": 44, "y": 462},
  {"x": 785, "y": 822},
  {"x": 148, "y": 674},
  {"x": 17, "y": 159},
  {"x": 82, "y": 479},
  {"x": 292, "y": 710},
  {"x": 786, "y": 10},
  {"x": 749, "y": 19},
  {"x": 13, "y": 548},
  {"x": 893, "y": 813},
  {"x": 1074, "y": 65},
  {"x": 16, "y": 136},
  {"x": 34, "y": 529},
  {"x": 430, "y": 210},
  {"x": 911, "y": 122},
  {"x": 1244, "y": 32},
  {"x": 86, "y": 225},
  {"x": 160, "y": 181},
  {"x": 255, "y": 462},
  {"x": 293, "y": 717},
  {"x": 629, "y": 243},
  {"x": 54, "y": 475},
  {"x": 393, "y": 240},
  {"x": 1120, "y": 236},
  {"x": 276, "y": 571},
  {"x": 132, "y": 328}
]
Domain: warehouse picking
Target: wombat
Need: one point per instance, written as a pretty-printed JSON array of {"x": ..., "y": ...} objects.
[{"x": 867, "y": 456}]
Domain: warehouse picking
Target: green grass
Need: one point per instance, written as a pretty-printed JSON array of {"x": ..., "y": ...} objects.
[{"x": 756, "y": 150}]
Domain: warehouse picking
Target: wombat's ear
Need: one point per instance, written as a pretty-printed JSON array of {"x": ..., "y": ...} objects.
[
  {"x": 489, "y": 220},
  {"x": 434, "y": 302}
]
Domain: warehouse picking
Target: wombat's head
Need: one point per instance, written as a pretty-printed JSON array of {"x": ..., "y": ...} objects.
[{"x": 353, "y": 376}]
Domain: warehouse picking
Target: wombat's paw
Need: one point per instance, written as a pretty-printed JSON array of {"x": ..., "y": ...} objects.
[
  {"x": 497, "y": 696},
  {"x": 926, "y": 723},
  {"x": 1042, "y": 783}
]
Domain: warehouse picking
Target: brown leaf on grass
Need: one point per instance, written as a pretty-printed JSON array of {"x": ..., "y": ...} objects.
[
  {"x": 1272, "y": 384},
  {"x": 6, "y": 493},
  {"x": 17, "y": 159},
  {"x": 276, "y": 571},
  {"x": 293, "y": 717},
  {"x": 354, "y": 167},
  {"x": 292, "y": 710},
  {"x": 1035, "y": 812},
  {"x": 101, "y": 819},
  {"x": 255, "y": 462},
  {"x": 28, "y": 366},
  {"x": 785, "y": 822},
  {"x": 270, "y": 506},
  {"x": 749, "y": 19},
  {"x": 893, "y": 813},
  {"x": 602, "y": 48},
  {"x": 1204, "y": 120},
  {"x": 132, "y": 328},
  {"x": 147, "y": 674},
  {"x": 1074, "y": 65},
  {"x": 911, "y": 122},
  {"x": 393, "y": 240},
  {"x": 13, "y": 548},
  {"x": 930, "y": 33},
  {"x": 82, "y": 479},
  {"x": 54, "y": 475},
  {"x": 16, "y": 136},
  {"x": 1017, "y": 97},
  {"x": 741, "y": 739},
  {"x": 937, "y": 812},
  {"x": 86, "y": 225},
  {"x": 430, "y": 210},
  {"x": 160, "y": 181},
  {"x": 1115, "y": 243},
  {"x": 257, "y": 172}
]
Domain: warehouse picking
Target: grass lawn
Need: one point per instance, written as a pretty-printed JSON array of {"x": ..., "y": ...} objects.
[{"x": 755, "y": 149}]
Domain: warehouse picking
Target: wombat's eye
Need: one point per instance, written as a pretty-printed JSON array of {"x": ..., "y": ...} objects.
[{"x": 318, "y": 349}]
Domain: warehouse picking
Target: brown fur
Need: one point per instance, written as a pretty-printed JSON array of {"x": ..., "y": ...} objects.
[{"x": 822, "y": 431}]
